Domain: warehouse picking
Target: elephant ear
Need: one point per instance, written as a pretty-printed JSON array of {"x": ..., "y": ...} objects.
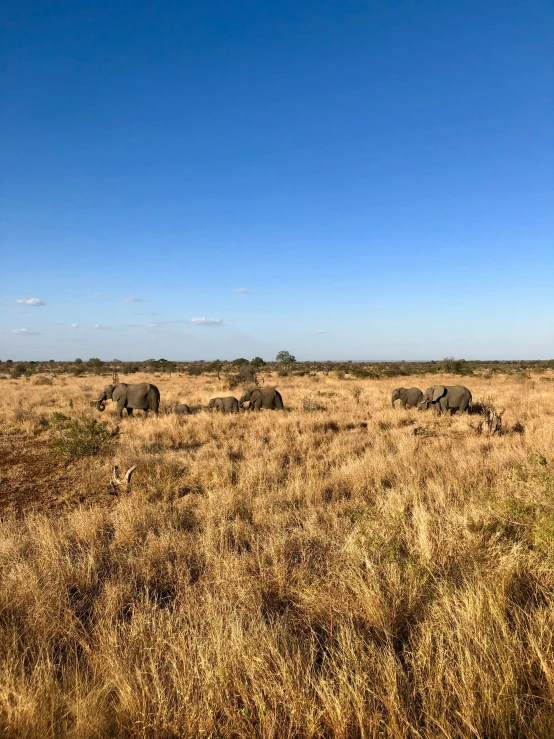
[
  {"x": 438, "y": 392},
  {"x": 118, "y": 392}
]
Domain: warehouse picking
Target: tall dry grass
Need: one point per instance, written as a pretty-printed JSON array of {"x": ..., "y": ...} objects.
[{"x": 297, "y": 574}]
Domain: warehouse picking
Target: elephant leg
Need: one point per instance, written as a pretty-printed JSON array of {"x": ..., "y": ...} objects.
[
  {"x": 258, "y": 404},
  {"x": 120, "y": 407},
  {"x": 129, "y": 411},
  {"x": 403, "y": 404}
]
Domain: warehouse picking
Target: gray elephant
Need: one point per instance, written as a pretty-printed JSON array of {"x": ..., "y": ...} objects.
[
  {"x": 446, "y": 398},
  {"x": 225, "y": 405},
  {"x": 143, "y": 397},
  {"x": 181, "y": 409},
  {"x": 264, "y": 397},
  {"x": 409, "y": 397}
]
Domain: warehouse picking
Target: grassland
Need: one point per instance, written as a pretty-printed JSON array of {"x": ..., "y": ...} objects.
[{"x": 356, "y": 571}]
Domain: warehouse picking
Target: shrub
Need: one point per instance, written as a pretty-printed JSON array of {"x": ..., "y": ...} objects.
[
  {"x": 356, "y": 392},
  {"x": 310, "y": 404},
  {"x": 18, "y": 371},
  {"x": 41, "y": 380},
  {"x": 81, "y": 437}
]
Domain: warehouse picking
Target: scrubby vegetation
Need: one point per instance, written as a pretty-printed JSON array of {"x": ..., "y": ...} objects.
[
  {"x": 341, "y": 569},
  {"x": 242, "y": 369}
]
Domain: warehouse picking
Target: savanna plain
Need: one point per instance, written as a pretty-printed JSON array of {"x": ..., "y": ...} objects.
[{"x": 339, "y": 569}]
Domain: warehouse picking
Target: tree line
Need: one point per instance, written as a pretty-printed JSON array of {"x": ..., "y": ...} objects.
[{"x": 242, "y": 370}]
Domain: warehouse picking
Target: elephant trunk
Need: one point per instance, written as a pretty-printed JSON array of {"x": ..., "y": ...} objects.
[{"x": 101, "y": 403}]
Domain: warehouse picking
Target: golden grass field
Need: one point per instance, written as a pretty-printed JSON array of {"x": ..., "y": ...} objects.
[{"x": 353, "y": 572}]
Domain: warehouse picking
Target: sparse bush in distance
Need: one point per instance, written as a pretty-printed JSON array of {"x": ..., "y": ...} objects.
[{"x": 43, "y": 380}]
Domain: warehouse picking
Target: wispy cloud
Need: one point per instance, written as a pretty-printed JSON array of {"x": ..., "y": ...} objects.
[
  {"x": 242, "y": 291},
  {"x": 133, "y": 300},
  {"x": 34, "y": 302},
  {"x": 321, "y": 331},
  {"x": 25, "y": 332},
  {"x": 99, "y": 327},
  {"x": 194, "y": 321},
  {"x": 206, "y": 321},
  {"x": 74, "y": 325}
]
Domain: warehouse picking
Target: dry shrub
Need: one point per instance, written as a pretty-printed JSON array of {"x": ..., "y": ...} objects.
[{"x": 287, "y": 574}]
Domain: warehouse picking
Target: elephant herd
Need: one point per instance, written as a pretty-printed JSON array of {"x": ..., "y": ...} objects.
[
  {"x": 443, "y": 398},
  {"x": 146, "y": 397}
]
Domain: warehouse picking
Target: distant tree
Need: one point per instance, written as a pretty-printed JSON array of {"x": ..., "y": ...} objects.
[
  {"x": 257, "y": 362},
  {"x": 454, "y": 366},
  {"x": 194, "y": 369},
  {"x": 18, "y": 371},
  {"x": 285, "y": 358},
  {"x": 216, "y": 367},
  {"x": 78, "y": 361},
  {"x": 241, "y": 361}
]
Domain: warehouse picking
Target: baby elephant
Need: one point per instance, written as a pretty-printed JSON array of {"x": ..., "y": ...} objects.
[
  {"x": 226, "y": 405},
  {"x": 409, "y": 397},
  {"x": 181, "y": 409}
]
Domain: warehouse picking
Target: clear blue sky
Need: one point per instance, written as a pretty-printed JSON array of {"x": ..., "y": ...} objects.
[{"x": 379, "y": 176}]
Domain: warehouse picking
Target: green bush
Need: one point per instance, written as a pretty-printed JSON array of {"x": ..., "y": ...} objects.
[{"x": 80, "y": 437}]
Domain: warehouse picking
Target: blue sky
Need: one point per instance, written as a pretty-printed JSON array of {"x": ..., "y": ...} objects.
[{"x": 343, "y": 180}]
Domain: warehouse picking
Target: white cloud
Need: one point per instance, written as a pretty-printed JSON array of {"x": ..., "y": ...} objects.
[
  {"x": 194, "y": 321},
  {"x": 34, "y": 302},
  {"x": 74, "y": 325},
  {"x": 321, "y": 331},
  {"x": 242, "y": 290},
  {"x": 24, "y": 332},
  {"x": 206, "y": 321},
  {"x": 133, "y": 300}
]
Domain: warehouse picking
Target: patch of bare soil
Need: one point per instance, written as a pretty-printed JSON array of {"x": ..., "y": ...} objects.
[{"x": 33, "y": 478}]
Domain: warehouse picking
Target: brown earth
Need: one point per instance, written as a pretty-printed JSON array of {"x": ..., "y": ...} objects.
[{"x": 33, "y": 479}]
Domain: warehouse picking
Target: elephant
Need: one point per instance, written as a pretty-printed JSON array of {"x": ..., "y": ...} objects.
[
  {"x": 446, "y": 398},
  {"x": 408, "y": 396},
  {"x": 143, "y": 396},
  {"x": 265, "y": 397},
  {"x": 226, "y": 405},
  {"x": 181, "y": 409}
]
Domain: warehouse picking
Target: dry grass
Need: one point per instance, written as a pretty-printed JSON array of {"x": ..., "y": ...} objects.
[{"x": 350, "y": 572}]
